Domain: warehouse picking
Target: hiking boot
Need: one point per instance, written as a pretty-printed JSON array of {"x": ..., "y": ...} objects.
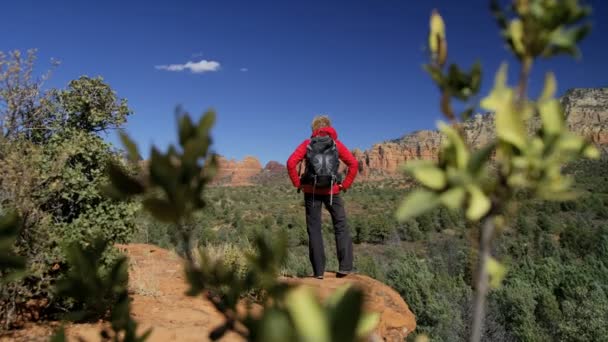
[{"x": 342, "y": 274}]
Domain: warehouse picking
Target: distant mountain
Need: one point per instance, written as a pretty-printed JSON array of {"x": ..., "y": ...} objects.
[
  {"x": 586, "y": 111},
  {"x": 237, "y": 172}
]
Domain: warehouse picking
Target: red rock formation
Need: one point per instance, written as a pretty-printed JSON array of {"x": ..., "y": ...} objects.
[
  {"x": 235, "y": 173},
  {"x": 273, "y": 173},
  {"x": 274, "y": 167},
  {"x": 157, "y": 287},
  {"x": 586, "y": 113},
  {"x": 396, "y": 319}
]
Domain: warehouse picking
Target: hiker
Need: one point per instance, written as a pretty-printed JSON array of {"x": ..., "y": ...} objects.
[{"x": 321, "y": 185}]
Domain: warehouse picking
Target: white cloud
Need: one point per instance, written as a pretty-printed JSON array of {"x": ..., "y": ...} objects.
[
  {"x": 244, "y": 69},
  {"x": 195, "y": 67}
]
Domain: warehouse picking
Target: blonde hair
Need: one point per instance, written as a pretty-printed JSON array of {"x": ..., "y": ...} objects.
[{"x": 320, "y": 121}]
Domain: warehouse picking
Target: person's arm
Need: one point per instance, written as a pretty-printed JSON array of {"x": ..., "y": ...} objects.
[
  {"x": 292, "y": 163},
  {"x": 353, "y": 165}
]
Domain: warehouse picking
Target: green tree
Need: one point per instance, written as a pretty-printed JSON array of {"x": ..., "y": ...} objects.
[{"x": 53, "y": 164}]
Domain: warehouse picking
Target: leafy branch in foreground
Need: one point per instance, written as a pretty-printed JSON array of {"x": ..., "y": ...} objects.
[
  {"x": 171, "y": 188},
  {"x": 484, "y": 181},
  {"x": 99, "y": 293}
]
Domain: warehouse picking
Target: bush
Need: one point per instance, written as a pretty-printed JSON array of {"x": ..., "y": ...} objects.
[{"x": 53, "y": 178}]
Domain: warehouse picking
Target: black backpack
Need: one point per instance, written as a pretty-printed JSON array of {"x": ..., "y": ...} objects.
[{"x": 322, "y": 162}]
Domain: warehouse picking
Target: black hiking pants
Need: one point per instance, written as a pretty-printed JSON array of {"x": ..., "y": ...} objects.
[{"x": 344, "y": 242}]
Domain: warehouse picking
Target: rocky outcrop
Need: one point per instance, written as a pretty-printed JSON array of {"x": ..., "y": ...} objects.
[
  {"x": 233, "y": 172},
  {"x": 586, "y": 113},
  {"x": 273, "y": 173},
  {"x": 396, "y": 319},
  {"x": 384, "y": 159},
  {"x": 157, "y": 288},
  {"x": 274, "y": 167}
]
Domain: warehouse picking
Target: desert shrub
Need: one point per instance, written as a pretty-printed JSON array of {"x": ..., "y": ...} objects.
[
  {"x": 381, "y": 230},
  {"x": 366, "y": 264},
  {"x": 53, "y": 164},
  {"x": 296, "y": 234},
  {"x": 439, "y": 301},
  {"x": 297, "y": 263},
  {"x": 409, "y": 231},
  {"x": 361, "y": 230}
]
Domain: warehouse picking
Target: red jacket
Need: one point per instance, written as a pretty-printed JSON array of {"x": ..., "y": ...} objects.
[{"x": 343, "y": 153}]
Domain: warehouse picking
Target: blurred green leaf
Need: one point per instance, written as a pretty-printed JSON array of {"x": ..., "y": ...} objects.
[
  {"x": 345, "y": 315},
  {"x": 162, "y": 210},
  {"x": 275, "y": 326},
  {"x": 416, "y": 203},
  {"x": 454, "y": 140},
  {"x": 162, "y": 171},
  {"x": 122, "y": 182},
  {"x": 550, "y": 87},
  {"x": 132, "y": 151},
  {"x": 564, "y": 40},
  {"x": 427, "y": 173},
  {"x": 437, "y": 41},
  {"x": 206, "y": 122},
  {"x": 479, "y": 203},
  {"x": 510, "y": 125},
  {"x": 516, "y": 31},
  {"x": 551, "y": 116},
  {"x": 307, "y": 315},
  {"x": 436, "y": 75},
  {"x": 480, "y": 158},
  {"x": 453, "y": 198},
  {"x": 186, "y": 129},
  {"x": 591, "y": 152},
  {"x": 496, "y": 272},
  {"x": 367, "y": 324}
]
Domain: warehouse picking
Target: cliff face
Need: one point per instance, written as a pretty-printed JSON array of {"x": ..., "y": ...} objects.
[
  {"x": 273, "y": 173},
  {"x": 586, "y": 113},
  {"x": 233, "y": 172}
]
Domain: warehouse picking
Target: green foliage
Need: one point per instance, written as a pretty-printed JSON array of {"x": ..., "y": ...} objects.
[
  {"x": 524, "y": 162},
  {"x": 542, "y": 28},
  {"x": 53, "y": 164},
  {"x": 90, "y": 105},
  {"x": 87, "y": 283},
  {"x": 484, "y": 182},
  {"x": 439, "y": 301},
  {"x": 441, "y": 241},
  {"x": 99, "y": 290},
  {"x": 178, "y": 177}
]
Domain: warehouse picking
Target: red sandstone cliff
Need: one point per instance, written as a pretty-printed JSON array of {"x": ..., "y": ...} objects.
[
  {"x": 233, "y": 172},
  {"x": 586, "y": 112}
]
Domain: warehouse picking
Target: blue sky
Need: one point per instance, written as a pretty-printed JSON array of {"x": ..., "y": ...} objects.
[{"x": 280, "y": 63}]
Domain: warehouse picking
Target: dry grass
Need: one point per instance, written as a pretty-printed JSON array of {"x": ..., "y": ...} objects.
[{"x": 144, "y": 283}]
